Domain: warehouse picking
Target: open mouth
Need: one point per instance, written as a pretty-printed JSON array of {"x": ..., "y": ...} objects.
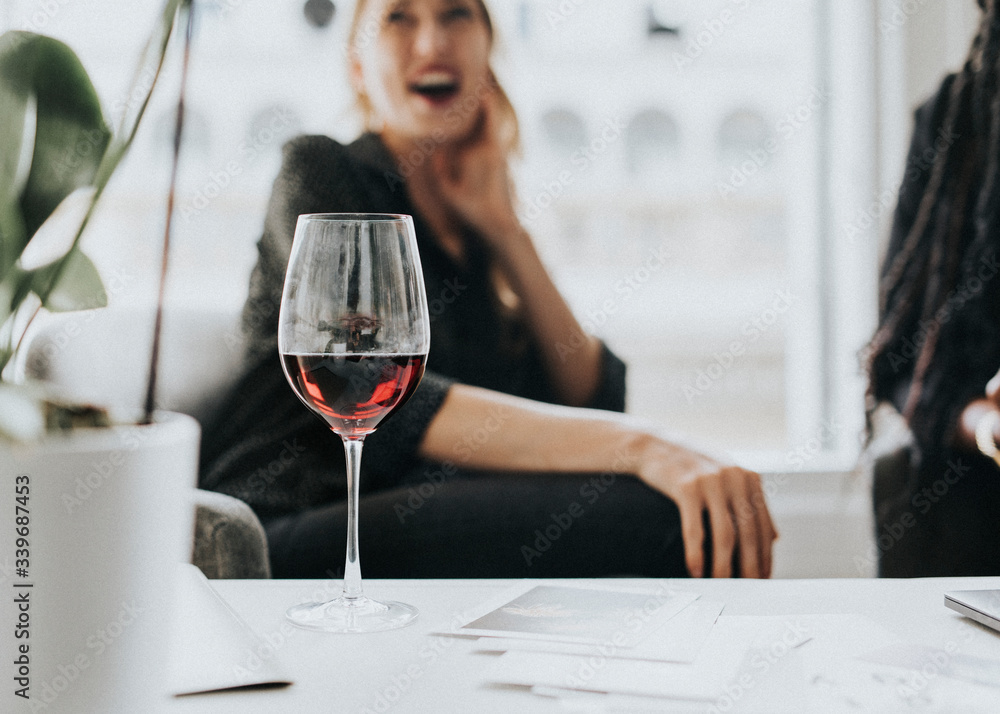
[{"x": 436, "y": 87}]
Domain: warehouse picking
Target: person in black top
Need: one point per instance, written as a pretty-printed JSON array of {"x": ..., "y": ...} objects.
[
  {"x": 936, "y": 352},
  {"x": 512, "y": 458}
]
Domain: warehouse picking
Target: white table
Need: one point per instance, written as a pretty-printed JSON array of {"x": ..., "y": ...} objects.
[{"x": 423, "y": 673}]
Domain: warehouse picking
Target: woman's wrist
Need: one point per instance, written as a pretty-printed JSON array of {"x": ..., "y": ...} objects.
[
  {"x": 627, "y": 445},
  {"x": 653, "y": 452},
  {"x": 509, "y": 241},
  {"x": 639, "y": 450}
]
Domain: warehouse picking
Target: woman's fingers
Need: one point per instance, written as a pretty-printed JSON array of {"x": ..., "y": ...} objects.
[
  {"x": 736, "y": 508},
  {"x": 754, "y": 536},
  {"x": 737, "y": 512},
  {"x": 718, "y": 499},
  {"x": 472, "y": 181},
  {"x": 745, "y": 523},
  {"x": 689, "y": 504},
  {"x": 769, "y": 533},
  {"x": 466, "y": 172}
]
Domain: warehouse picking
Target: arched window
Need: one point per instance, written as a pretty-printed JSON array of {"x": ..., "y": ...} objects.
[
  {"x": 742, "y": 131},
  {"x": 273, "y": 126},
  {"x": 319, "y": 13},
  {"x": 564, "y": 131},
  {"x": 651, "y": 139}
]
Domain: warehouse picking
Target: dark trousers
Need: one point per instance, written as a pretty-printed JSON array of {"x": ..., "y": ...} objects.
[
  {"x": 940, "y": 518},
  {"x": 485, "y": 525}
]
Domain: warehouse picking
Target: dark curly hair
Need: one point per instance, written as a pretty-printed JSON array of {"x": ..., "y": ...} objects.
[{"x": 938, "y": 318}]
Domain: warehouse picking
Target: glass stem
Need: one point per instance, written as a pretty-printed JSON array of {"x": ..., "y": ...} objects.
[{"x": 352, "y": 566}]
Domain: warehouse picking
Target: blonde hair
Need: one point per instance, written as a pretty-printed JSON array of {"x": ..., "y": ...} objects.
[{"x": 507, "y": 120}]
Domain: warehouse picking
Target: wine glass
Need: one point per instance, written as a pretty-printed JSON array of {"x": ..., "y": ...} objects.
[{"x": 353, "y": 334}]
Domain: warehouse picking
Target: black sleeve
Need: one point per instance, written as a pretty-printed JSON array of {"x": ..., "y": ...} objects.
[
  {"x": 265, "y": 447},
  {"x": 316, "y": 176},
  {"x": 610, "y": 394}
]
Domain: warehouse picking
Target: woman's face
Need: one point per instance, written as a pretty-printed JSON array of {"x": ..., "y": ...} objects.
[{"x": 423, "y": 65}]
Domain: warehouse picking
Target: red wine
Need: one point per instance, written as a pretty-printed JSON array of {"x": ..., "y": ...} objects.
[{"x": 354, "y": 393}]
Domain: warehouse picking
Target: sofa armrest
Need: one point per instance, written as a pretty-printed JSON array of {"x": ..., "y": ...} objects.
[
  {"x": 229, "y": 540},
  {"x": 101, "y": 357}
]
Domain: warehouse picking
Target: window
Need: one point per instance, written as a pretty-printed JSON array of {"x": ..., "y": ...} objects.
[
  {"x": 651, "y": 140},
  {"x": 273, "y": 125},
  {"x": 743, "y": 132},
  {"x": 699, "y": 233},
  {"x": 712, "y": 173},
  {"x": 564, "y": 131}
]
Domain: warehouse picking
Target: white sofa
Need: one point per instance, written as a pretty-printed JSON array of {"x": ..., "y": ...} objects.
[{"x": 102, "y": 356}]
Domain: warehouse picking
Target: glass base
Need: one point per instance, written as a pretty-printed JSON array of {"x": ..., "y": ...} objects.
[{"x": 361, "y": 614}]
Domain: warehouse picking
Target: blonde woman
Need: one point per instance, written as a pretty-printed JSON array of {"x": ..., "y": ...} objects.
[{"x": 513, "y": 458}]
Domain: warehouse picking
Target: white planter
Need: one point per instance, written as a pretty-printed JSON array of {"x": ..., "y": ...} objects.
[{"x": 110, "y": 514}]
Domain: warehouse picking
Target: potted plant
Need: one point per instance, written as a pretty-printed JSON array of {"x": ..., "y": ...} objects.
[
  {"x": 57, "y": 155},
  {"x": 96, "y": 509}
]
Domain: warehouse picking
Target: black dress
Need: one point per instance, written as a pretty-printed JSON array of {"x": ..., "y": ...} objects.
[
  {"x": 417, "y": 519},
  {"x": 937, "y": 509}
]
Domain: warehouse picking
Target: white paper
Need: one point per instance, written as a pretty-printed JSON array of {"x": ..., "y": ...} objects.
[
  {"x": 619, "y": 618},
  {"x": 821, "y": 663},
  {"x": 576, "y": 702},
  {"x": 838, "y": 681},
  {"x": 580, "y": 614},
  {"x": 705, "y": 679},
  {"x": 661, "y": 679},
  {"x": 679, "y": 639},
  {"x": 944, "y": 661},
  {"x": 856, "y": 685},
  {"x": 212, "y": 645}
]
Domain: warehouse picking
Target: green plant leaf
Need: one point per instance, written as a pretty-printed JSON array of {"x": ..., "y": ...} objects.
[
  {"x": 53, "y": 140},
  {"x": 15, "y": 160},
  {"x": 78, "y": 287},
  {"x": 15, "y": 286},
  {"x": 13, "y": 106},
  {"x": 70, "y": 135},
  {"x": 56, "y": 237},
  {"x": 12, "y": 234},
  {"x": 6, "y": 299}
]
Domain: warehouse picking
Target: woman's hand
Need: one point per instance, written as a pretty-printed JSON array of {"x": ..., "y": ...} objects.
[
  {"x": 534, "y": 437},
  {"x": 473, "y": 181},
  {"x": 977, "y": 410},
  {"x": 734, "y": 501}
]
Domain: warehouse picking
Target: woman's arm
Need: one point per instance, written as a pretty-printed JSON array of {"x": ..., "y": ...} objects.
[
  {"x": 571, "y": 356},
  {"x": 482, "y": 429},
  {"x": 472, "y": 180}
]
